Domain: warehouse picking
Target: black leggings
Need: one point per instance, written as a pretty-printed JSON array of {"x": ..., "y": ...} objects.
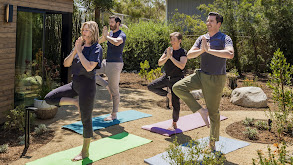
[
  {"x": 83, "y": 87},
  {"x": 157, "y": 86}
]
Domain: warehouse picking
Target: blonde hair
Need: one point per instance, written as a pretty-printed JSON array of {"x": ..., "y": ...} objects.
[{"x": 93, "y": 28}]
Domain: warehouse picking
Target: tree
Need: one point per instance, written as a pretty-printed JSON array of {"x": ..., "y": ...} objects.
[{"x": 97, "y": 6}]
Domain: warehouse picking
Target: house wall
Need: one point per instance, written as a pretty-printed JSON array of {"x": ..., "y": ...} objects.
[
  {"x": 188, "y": 7},
  {"x": 8, "y": 44}
]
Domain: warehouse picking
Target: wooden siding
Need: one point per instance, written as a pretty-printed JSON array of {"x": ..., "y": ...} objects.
[
  {"x": 8, "y": 44},
  {"x": 188, "y": 7}
]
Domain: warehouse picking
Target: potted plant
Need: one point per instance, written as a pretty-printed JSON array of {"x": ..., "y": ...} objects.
[{"x": 44, "y": 110}]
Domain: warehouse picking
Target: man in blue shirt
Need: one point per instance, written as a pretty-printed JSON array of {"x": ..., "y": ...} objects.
[
  {"x": 213, "y": 48},
  {"x": 113, "y": 64}
]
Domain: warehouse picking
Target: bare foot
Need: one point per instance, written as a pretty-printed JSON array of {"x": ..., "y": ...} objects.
[
  {"x": 204, "y": 114},
  {"x": 112, "y": 116},
  {"x": 173, "y": 127},
  {"x": 80, "y": 156}
]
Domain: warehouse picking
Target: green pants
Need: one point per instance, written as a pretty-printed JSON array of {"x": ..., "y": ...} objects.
[{"x": 212, "y": 88}]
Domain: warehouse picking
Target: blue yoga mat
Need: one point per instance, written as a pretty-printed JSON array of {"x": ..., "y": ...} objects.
[
  {"x": 99, "y": 123},
  {"x": 225, "y": 145}
]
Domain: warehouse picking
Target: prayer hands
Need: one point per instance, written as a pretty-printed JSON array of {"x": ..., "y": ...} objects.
[
  {"x": 205, "y": 44},
  {"x": 169, "y": 52},
  {"x": 78, "y": 44},
  {"x": 105, "y": 31}
]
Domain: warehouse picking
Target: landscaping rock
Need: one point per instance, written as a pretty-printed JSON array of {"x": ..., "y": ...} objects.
[{"x": 252, "y": 97}]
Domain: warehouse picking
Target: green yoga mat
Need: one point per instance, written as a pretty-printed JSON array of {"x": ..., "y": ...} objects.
[{"x": 98, "y": 150}]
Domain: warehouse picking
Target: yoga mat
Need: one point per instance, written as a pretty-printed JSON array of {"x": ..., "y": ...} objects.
[
  {"x": 185, "y": 123},
  {"x": 99, "y": 123},
  {"x": 225, "y": 145},
  {"x": 98, "y": 150}
]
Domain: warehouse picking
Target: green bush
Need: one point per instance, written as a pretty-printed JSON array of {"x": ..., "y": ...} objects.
[
  {"x": 251, "y": 133},
  {"x": 15, "y": 119},
  {"x": 248, "y": 121},
  {"x": 40, "y": 129},
  {"x": 197, "y": 153},
  {"x": 276, "y": 157},
  {"x": 261, "y": 125},
  {"x": 3, "y": 148},
  {"x": 145, "y": 41}
]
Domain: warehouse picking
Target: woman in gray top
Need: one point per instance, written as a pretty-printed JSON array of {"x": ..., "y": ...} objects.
[{"x": 85, "y": 57}]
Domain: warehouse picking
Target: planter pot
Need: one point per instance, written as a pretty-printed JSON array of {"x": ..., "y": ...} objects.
[{"x": 44, "y": 110}]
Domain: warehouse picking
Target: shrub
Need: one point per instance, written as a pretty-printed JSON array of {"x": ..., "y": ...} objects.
[
  {"x": 15, "y": 119},
  {"x": 40, "y": 129},
  {"x": 145, "y": 41},
  {"x": 3, "y": 148},
  {"x": 21, "y": 140},
  {"x": 196, "y": 153},
  {"x": 261, "y": 125},
  {"x": 280, "y": 78},
  {"x": 154, "y": 74},
  {"x": 144, "y": 66},
  {"x": 248, "y": 121},
  {"x": 276, "y": 157},
  {"x": 251, "y": 133},
  {"x": 227, "y": 92}
]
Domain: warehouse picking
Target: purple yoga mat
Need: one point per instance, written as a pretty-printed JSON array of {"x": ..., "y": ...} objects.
[{"x": 185, "y": 123}]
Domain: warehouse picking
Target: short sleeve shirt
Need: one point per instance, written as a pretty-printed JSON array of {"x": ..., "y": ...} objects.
[
  {"x": 170, "y": 68},
  {"x": 211, "y": 64},
  {"x": 114, "y": 53},
  {"x": 93, "y": 53}
]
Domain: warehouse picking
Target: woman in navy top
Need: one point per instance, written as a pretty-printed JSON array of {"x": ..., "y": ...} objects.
[{"x": 85, "y": 57}]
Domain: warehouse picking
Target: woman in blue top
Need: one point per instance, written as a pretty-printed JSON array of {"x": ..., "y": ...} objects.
[{"x": 85, "y": 57}]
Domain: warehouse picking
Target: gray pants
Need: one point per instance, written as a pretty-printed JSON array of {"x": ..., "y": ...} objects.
[{"x": 112, "y": 71}]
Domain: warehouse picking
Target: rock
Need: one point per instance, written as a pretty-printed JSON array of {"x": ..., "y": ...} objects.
[
  {"x": 197, "y": 94},
  {"x": 252, "y": 97}
]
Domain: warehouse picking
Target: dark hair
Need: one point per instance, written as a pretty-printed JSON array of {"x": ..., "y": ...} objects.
[
  {"x": 176, "y": 34},
  {"x": 219, "y": 17},
  {"x": 117, "y": 18}
]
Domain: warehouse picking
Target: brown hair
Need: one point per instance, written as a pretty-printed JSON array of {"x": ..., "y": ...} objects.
[
  {"x": 176, "y": 34},
  {"x": 219, "y": 17},
  {"x": 117, "y": 18}
]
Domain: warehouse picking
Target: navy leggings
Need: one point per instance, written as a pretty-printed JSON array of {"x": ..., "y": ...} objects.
[
  {"x": 157, "y": 86},
  {"x": 83, "y": 87}
]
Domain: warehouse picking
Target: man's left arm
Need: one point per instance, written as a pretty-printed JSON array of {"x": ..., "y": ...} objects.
[
  {"x": 228, "y": 52},
  {"x": 115, "y": 41}
]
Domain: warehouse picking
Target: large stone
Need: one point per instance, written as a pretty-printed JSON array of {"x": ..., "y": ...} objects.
[
  {"x": 252, "y": 97},
  {"x": 197, "y": 94}
]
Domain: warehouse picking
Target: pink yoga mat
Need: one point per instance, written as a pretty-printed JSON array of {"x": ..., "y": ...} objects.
[{"x": 185, "y": 123}]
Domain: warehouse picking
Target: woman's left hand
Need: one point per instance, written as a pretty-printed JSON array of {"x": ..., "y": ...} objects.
[{"x": 78, "y": 45}]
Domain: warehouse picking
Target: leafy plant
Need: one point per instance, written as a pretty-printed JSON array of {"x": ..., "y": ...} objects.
[
  {"x": 248, "y": 121},
  {"x": 154, "y": 74},
  {"x": 227, "y": 92},
  {"x": 21, "y": 140},
  {"x": 194, "y": 153},
  {"x": 3, "y": 148},
  {"x": 15, "y": 119},
  {"x": 40, "y": 129},
  {"x": 276, "y": 157},
  {"x": 251, "y": 133},
  {"x": 144, "y": 66},
  {"x": 283, "y": 96},
  {"x": 261, "y": 125}
]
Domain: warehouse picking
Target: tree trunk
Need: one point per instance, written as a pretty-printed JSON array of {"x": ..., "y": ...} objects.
[{"x": 97, "y": 15}]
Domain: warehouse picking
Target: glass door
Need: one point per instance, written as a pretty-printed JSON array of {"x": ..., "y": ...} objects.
[{"x": 38, "y": 54}]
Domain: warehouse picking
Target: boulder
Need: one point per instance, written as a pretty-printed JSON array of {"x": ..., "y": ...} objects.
[{"x": 252, "y": 97}]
